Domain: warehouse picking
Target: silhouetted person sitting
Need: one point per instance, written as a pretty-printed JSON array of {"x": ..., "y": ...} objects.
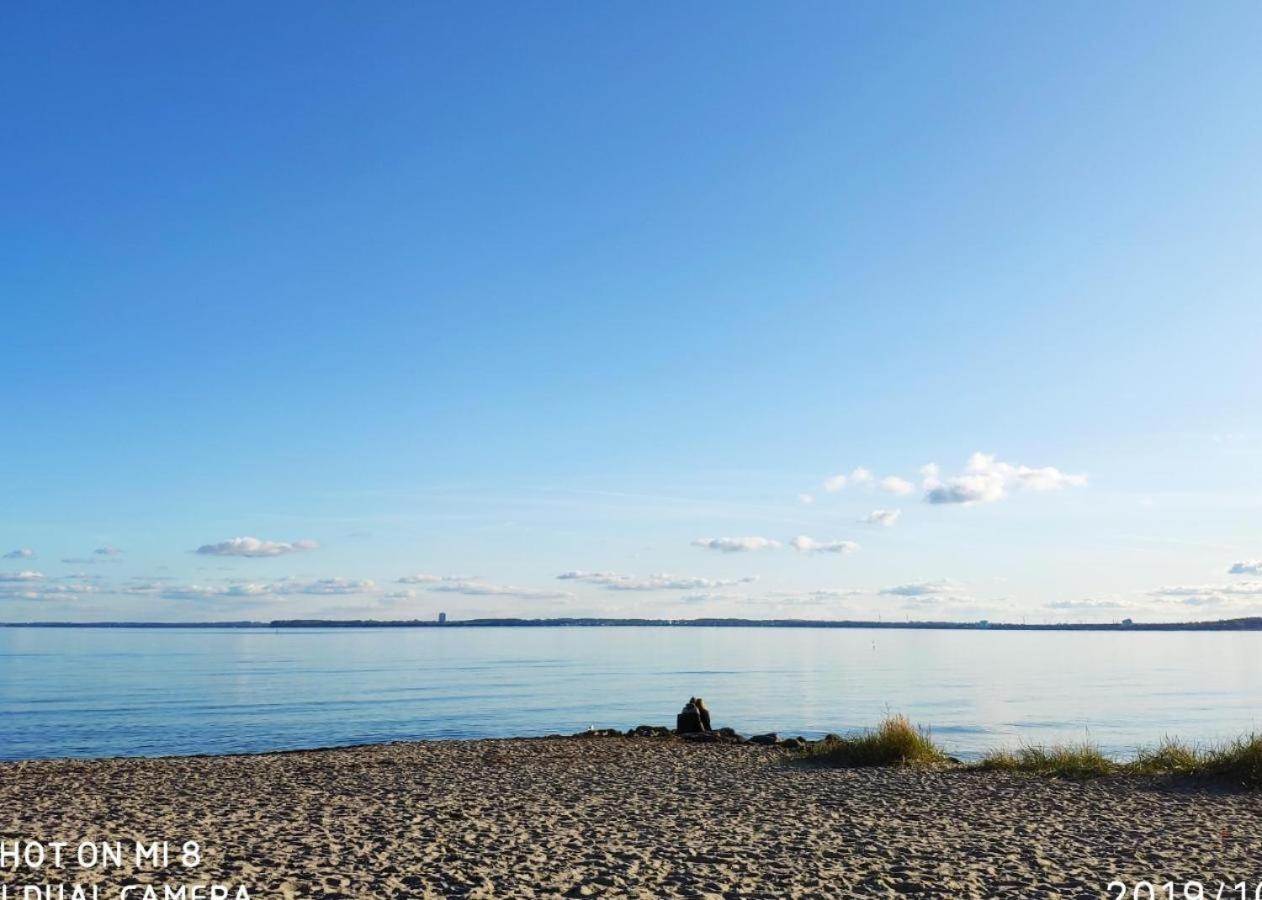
[
  {"x": 689, "y": 719},
  {"x": 702, "y": 712}
]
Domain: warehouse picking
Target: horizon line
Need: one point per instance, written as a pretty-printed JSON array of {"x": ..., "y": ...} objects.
[{"x": 1246, "y": 623}]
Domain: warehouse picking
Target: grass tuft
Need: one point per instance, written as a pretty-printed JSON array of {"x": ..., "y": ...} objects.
[
  {"x": 1074, "y": 761},
  {"x": 1170, "y": 757},
  {"x": 1239, "y": 761},
  {"x": 895, "y": 742}
]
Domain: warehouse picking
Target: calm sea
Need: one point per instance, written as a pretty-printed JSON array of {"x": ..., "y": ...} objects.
[{"x": 114, "y": 692}]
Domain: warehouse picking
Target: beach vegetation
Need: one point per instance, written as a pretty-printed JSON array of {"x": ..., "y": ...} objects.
[
  {"x": 895, "y": 742},
  {"x": 1238, "y": 762},
  {"x": 1075, "y": 761},
  {"x": 898, "y": 742}
]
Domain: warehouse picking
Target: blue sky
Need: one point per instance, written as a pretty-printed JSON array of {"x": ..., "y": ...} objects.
[{"x": 479, "y": 295}]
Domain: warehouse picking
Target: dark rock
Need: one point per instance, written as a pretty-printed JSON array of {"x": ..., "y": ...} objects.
[
  {"x": 769, "y": 738},
  {"x": 831, "y": 738},
  {"x": 728, "y": 732},
  {"x": 600, "y": 732},
  {"x": 793, "y": 743},
  {"x": 649, "y": 731}
]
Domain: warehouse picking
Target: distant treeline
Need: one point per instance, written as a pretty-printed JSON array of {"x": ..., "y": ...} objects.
[{"x": 1253, "y": 623}]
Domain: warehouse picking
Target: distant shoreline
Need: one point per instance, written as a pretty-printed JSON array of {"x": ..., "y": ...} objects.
[{"x": 1253, "y": 623}]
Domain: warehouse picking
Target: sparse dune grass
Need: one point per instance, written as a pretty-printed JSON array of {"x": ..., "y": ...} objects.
[
  {"x": 1238, "y": 761},
  {"x": 894, "y": 742},
  {"x": 897, "y": 742},
  {"x": 1075, "y": 761},
  {"x": 1170, "y": 757}
]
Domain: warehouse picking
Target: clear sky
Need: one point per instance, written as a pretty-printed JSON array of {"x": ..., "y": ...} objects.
[{"x": 434, "y": 304}]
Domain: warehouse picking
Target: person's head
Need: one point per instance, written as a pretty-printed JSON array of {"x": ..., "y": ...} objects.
[{"x": 698, "y": 702}]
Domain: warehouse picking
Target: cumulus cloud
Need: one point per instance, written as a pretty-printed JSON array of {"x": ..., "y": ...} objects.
[
  {"x": 920, "y": 589},
  {"x": 476, "y": 588},
  {"x": 1237, "y": 595},
  {"x": 33, "y": 586},
  {"x": 713, "y": 597},
  {"x": 663, "y": 582},
  {"x": 1087, "y": 604},
  {"x": 324, "y": 586},
  {"x": 239, "y": 592},
  {"x": 986, "y": 480},
  {"x": 20, "y": 553},
  {"x": 886, "y": 517},
  {"x": 736, "y": 544},
  {"x": 10, "y": 577},
  {"x": 834, "y": 483},
  {"x": 806, "y": 499},
  {"x": 39, "y": 591},
  {"x": 857, "y": 475},
  {"x": 1248, "y": 567},
  {"x": 805, "y": 544},
  {"x": 254, "y": 547},
  {"x": 892, "y": 484},
  {"x": 256, "y": 590}
]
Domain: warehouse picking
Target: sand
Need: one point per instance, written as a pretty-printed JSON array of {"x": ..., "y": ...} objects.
[{"x": 637, "y": 817}]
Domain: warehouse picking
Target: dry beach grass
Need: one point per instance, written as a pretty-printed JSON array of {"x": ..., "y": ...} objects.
[{"x": 639, "y": 817}]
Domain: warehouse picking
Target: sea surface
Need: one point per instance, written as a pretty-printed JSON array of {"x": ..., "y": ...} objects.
[{"x": 142, "y": 692}]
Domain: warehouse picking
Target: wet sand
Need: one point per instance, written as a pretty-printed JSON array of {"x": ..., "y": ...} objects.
[{"x": 629, "y": 817}]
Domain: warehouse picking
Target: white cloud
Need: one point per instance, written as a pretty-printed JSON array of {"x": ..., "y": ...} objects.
[
  {"x": 34, "y": 587},
  {"x": 1237, "y": 595},
  {"x": 1248, "y": 567},
  {"x": 1087, "y": 604},
  {"x": 806, "y": 499},
  {"x": 921, "y": 589},
  {"x": 805, "y": 544},
  {"x": 663, "y": 582},
  {"x": 858, "y": 475},
  {"x": 886, "y": 517},
  {"x": 107, "y": 551},
  {"x": 736, "y": 544},
  {"x": 246, "y": 591},
  {"x": 713, "y": 597},
  {"x": 254, "y": 547},
  {"x": 324, "y": 586},
  {"x": 892, "y": 484},
  {"x": 422, "y": 579},
  {"x": 834, "y": 483},
  {"x": 254, "y": 591},
  {"x": 475, "y": 588},
  {"x": 986, "y": 480},
  {"x": 10, "y": 577},
  {"x": 20, "y": 553}
]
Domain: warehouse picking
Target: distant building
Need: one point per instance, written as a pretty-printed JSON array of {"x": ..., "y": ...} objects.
[
  {"x": 1128, "y": 622},
  {"x": 442, "y": 618}
]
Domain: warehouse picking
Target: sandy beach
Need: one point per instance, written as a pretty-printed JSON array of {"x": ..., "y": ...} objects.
[{"x": 638, "y": 817}]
